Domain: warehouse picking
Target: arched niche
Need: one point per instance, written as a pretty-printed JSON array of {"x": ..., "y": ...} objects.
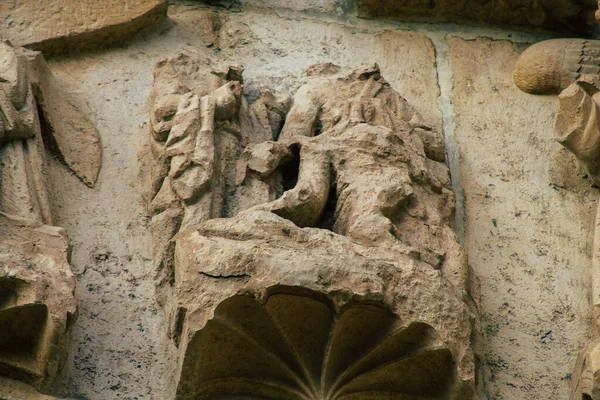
[{"x": 295, "y": 344}]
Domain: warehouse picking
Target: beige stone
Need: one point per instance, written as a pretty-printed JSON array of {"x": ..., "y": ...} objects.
[
  {"x": 345, "y": 217},
  {"x": 551, "y": 66},
  {"x": 323, "y": 6},
  {"x": 296, "y": 313},
  {"x": 199, "y": 125},
  {"x": 110, "y": 222},
  {"x": 577, "y": 126},
  {"x": 55, "y": 27},
  {"x": 571, "y": 67},
  {"x": 528, "y": 225},
  {"x": 560, "y": 15},
  {"x": 262, "y": 44},
  {"x": 359, "y": 156},
  {"x": 65, "y": 123},
  {"x": 577, "y": 129},
  {"x": 37, "y": 305},
  {"x": 29, "y": 85}
]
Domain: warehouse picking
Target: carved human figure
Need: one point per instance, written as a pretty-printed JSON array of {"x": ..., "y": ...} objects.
[
  {"x": 352, "y": 156},
  {"x": 200, "y": 123},
  {"x": 253, "y": 291},
  {"x": 23, "y": 190},
  {"x": 37, "y": 305},
  {"x": 360, "y": 147}
]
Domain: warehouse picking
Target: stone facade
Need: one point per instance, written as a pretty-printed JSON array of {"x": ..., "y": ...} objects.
[
  {"x": 305, "y": 200},
  {"x": 37, "y": 304}
]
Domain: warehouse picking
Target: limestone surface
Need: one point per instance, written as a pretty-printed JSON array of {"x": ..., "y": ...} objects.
[
  {"x": 573, "y": 16},
  {"x": 304, "y": 313},
  {"x": 528, "y": 221},
  {"x": 348, "y": 200},
  {"x": 37, "y": 305},
  {"x": 56, "y": 26}
]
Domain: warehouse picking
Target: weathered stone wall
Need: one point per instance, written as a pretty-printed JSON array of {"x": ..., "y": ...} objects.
[
  {"x": 524, "y": 214},
  {"x": 567, "y": 16}
]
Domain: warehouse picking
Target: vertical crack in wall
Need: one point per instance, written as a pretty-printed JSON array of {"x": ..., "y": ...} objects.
[{"x": 446, "y": 106}]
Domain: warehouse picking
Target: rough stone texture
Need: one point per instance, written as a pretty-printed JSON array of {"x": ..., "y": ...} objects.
[
  {"x": 116, "y": 348},
  {"x": 65, "y": 122},
  {"x": 37, "y": 306},
  {"x": 262, "y": 256},
  {"x": 57, "y": 26},
  {"x": 551, "y": 66},
  {"x": 577, "y": 126},
  {"x": 577, "y": 129},
  {"x": 112, "y": 251},
  {"x": 324, "y": 6},
  {"x": 573, "y": 16},
  {"x": 117, "y": 341},
  {"x": 312, "y": 344},
  {"x": 15, "y": 390},
  {"x": 273, "y": 51},
  {"x": 354, "y": 158},
  {"x": 529, "y": 226},
  {"x": 571, "y": 67}
]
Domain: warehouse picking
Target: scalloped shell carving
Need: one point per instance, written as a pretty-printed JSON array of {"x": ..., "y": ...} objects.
[
  {"x": 295, "y": 346},
  {"x": 551, "y": 66}
]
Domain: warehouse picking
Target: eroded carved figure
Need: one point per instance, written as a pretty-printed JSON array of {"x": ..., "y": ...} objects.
[
  {"x": 359, "y": 146},
  {"x": 199, "y": 124},
  {"x": 307, "y": 239},
  {"x": 37, "y": 305}
]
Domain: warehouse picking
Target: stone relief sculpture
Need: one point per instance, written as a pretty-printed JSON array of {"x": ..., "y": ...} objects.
[
  {"x": 304, "y": 244},
  {"x": 571, "y": 69},
  {"x": 551, "y": 66},
  {"x": 37, "y": 306},
  {"x": 199, "y": 124}
]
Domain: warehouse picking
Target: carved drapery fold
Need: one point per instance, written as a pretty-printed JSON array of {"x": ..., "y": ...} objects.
[
  {"x": 37, "y": 304},
  {"x": 283, "y": 225}
]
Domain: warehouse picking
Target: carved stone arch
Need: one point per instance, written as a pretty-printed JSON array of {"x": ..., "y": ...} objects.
[{"x": 297, "y": 344}]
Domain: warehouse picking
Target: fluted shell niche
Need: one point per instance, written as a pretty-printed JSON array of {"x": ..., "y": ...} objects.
[
  {"x": 23, "y": 325},
  {"x": 295, "y": 345}
]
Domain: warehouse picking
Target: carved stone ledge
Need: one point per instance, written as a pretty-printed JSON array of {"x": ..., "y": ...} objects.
[
  {"x": 307, "y": 313},
  {"x": 56, "y": 27},
  {"x": 37, "y": 304}
]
